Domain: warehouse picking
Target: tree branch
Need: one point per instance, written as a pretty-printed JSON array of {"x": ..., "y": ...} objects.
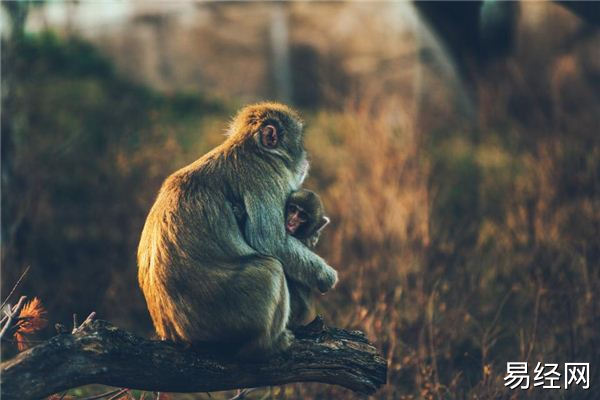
[{"x": 100, "y": 353}]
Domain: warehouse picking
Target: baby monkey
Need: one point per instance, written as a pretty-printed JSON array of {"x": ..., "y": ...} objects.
[{"x": 305, "y": 217}]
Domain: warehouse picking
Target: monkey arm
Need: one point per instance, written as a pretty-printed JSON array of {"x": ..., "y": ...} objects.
[
  {"x": 265, "y": 232},
  {"x": 312, "y": 240},
  {"x": 307, "y": 267}
]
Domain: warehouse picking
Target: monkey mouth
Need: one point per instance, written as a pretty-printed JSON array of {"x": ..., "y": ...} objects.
[{"x": 291, "y": 227}]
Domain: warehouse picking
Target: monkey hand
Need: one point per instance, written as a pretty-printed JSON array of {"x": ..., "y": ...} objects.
[
  {"x": 312, "y": 241},
  {"x": 327, "y": 279}
]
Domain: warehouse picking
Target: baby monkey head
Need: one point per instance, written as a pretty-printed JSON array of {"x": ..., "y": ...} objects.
[
  {"x": 305, "y": 214},
  {"x": 296, "y": 217}
]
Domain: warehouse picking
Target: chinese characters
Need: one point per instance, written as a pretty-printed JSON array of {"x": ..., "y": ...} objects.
[{"x": 547, "y": 376}]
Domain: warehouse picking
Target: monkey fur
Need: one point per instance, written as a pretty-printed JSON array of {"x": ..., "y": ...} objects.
[
  {"x": 304, "y": 219},
  {"x": 305, "y": 216},
  {"x": 307, "y": 207},
  {"x": 205, "y": 278}
]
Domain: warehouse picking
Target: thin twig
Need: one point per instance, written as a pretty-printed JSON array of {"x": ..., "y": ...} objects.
[
  {"x": 15, "y": 311},
  {"x": 15, "y": 287},
  {"x": 536, "y": 313},
  {"x": 431, "y": 331},
  {"x": 242, "y": 393},
  {"x": 87, "y": 321},
  {"x": 29, "y": 340},
  {"x": 266, "y": 395},
  {"x": 488, "y": 332},
  {"x": 497, "y": 316},
  {"x": 116, "y": 396},
  {"x": 99, "y": 396}
]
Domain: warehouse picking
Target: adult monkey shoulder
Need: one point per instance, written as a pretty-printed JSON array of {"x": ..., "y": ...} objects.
[{"x": 202, "y": 277}]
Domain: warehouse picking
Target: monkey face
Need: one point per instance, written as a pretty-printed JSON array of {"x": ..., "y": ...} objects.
[
  {"x": 296, "y": 217},
  {"x": 274, "y": 133},
  {"x": 282, "y": 138},
  {"x": 281, "y": 135}
]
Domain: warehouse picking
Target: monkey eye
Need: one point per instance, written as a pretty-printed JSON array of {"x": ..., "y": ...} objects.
[
  {"x": 292, "y": 208},
  {"x": 269, "y": 137},
  {"x": 303, "y": 216}
]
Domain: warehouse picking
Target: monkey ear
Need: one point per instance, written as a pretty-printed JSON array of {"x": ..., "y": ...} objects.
[
  {"x": 322, "y": 224},
  {"x": 269, "y": 137}
]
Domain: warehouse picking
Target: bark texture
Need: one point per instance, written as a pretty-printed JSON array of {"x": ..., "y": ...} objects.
[{"x": 101, "y": 353}]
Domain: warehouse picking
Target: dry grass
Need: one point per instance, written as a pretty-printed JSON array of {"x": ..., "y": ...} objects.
[{"x": 458, "y": 249}]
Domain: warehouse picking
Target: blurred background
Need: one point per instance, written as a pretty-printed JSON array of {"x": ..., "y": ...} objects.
[{"x": 455, "y": 145}]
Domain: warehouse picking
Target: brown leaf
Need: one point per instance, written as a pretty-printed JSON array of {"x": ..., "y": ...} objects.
[
  {"x": 22, "y": 343},
  {"x": 32, "y": 317}
]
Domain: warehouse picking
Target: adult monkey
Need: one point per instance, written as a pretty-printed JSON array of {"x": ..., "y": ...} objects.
[{"x": 204, "y": 279}]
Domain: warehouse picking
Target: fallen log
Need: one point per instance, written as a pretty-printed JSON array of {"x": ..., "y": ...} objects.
[{"x": 101, "y": 353}]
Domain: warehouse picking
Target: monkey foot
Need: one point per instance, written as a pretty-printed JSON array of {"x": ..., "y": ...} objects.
[{"x": 314, "y": 328}]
